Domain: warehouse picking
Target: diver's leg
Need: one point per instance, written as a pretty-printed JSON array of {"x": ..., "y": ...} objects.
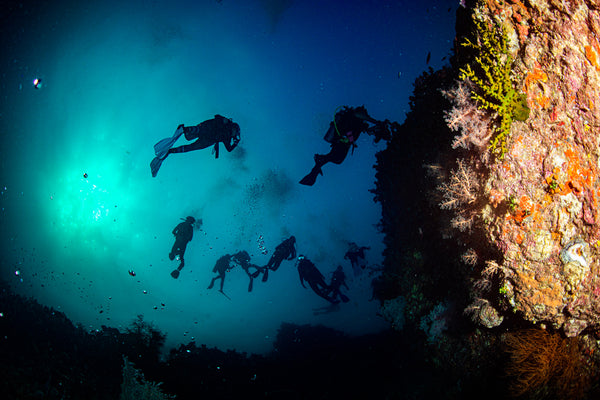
[
  {"x": 315, "y": 287},
  {"x": 277, "y": 263},
  {"x": 174, "y": 250},
  {"x": 321, "y": 159},
  {"x": 311, "y": 178},
  {"x": 182, "y": 248},
  {"x": 191, "y": 132},
  {"x": 212, "y": 282},
  {"x": 271, "y": 261}
]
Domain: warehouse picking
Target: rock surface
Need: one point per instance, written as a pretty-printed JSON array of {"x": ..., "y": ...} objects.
[{"x": 539, "y": 202}]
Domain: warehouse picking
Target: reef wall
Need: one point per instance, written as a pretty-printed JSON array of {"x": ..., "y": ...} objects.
[
  {"x": 490, "y": 195},
  {"x": 535, "y": 182}
]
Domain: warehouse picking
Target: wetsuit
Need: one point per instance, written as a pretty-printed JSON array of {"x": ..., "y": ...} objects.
[
  {"x": 315, "y": 279},
  {"x": 210, "y": 132},
  {"x": 285, "y": 250},
  {"x": 183, "y": 235}
]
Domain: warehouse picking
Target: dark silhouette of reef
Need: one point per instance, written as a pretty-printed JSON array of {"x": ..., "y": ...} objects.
[{"x": 44, "y": 356}]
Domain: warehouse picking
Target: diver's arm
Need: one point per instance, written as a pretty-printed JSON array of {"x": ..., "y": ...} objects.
[
  {"x": 365, "y": 116},
  {"x": 230, "y": 146},
  {"x": 231, "y": 143}
]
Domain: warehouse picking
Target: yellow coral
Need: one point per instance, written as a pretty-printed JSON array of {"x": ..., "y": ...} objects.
[{"x": 492, "y": 77}]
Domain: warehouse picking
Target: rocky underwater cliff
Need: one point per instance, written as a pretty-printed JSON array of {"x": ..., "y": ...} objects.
[{"x": 495, "y": 255}]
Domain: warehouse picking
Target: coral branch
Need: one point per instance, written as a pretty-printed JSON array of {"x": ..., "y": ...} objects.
[{"x": 461, "y": 189}]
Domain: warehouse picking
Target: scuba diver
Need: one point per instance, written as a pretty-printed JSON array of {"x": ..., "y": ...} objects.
[
  {"x": 285, "y": 250},
  {"x": 315, "y": 279},
  {"x": 338, "y": 279},
  {"x": 243, "y": 259},
  {"x": 221, "y": 267},
  {"x": 356, "y": 255},
  {"x": 183, "y": 232},
  {"x": 344, "y": 130},
  {"x": 207, "y": 133}
]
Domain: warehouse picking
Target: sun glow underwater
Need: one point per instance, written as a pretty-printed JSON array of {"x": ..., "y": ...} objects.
[{"x": 86, "y": 201}]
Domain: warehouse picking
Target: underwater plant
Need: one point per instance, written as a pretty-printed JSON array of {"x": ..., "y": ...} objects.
[
  {"x": 543, "y": 364},
  {"x": 494, "y": 88}
]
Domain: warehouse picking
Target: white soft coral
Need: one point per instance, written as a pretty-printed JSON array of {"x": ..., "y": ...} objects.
[{"x": 472, "y": 123}]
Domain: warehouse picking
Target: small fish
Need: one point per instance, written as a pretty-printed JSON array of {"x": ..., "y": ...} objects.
[{"x": 428, "y": 58}]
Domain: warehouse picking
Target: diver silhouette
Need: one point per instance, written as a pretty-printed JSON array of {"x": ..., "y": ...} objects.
[
  {"x": 337, "y": 280},
  {"x": 184, "y": 232},
  {"x": 343, "y": 132},
  {"x": 308, "y": 272},
  {"x": 356, "y": 255},
  {"x": 206, "y": 134},
  {"x": 284, "y": 250},
  {"x": 243, "y": 259},
  {"x": 222, "y": 266}
]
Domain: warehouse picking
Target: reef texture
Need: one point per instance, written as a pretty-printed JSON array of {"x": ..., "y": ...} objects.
[{"x": 535, "y": 200}]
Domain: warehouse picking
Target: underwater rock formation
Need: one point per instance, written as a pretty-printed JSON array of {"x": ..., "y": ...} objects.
[{"x": 540, "y": 203}]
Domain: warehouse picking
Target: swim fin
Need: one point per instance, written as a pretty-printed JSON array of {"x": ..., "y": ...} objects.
[
  {"x": 155, "y": 165},
  {"x": 311, "y": 178},
  {"x": 161, "y": 149},
  {"x": 175, "y": 274}
]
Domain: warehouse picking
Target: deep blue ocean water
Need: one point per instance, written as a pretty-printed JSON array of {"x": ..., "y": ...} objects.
[{"x": 79, "y": 207}]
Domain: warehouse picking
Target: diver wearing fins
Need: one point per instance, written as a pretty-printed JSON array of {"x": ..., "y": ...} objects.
[
  {"x": 338, "y": 279},
  {"x": 243, "y": 259},
  {"x": 184, "y": 232},
  {"x": 285, "y": 250},
  {"x": 308, "y": 272},
  {"x": 206, "y": 134},
  {"x": 343, "y": 132},
  {"x": 222, "y": 266}
]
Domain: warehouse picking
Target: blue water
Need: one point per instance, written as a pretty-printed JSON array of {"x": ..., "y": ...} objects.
[{"x": 116, "y": 77}]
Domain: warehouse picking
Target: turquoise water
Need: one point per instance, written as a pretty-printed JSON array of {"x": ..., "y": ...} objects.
[{"x": 79, "y": 207}]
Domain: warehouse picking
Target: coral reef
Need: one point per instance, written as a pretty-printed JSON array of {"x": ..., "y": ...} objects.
[
  {"x": 44, "y": 356},
  {"x": 539, "y": 204},
  {"x": 393, "y": 312},
  {"x": 434, "y": 323},
  {"x": 545, "y": 365},
  {"x": 421, "y": 263},
  {"x": 493, "y": 79},
  {"x": 135, "y": 386},
  {"x": 508, "y": 229}
]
